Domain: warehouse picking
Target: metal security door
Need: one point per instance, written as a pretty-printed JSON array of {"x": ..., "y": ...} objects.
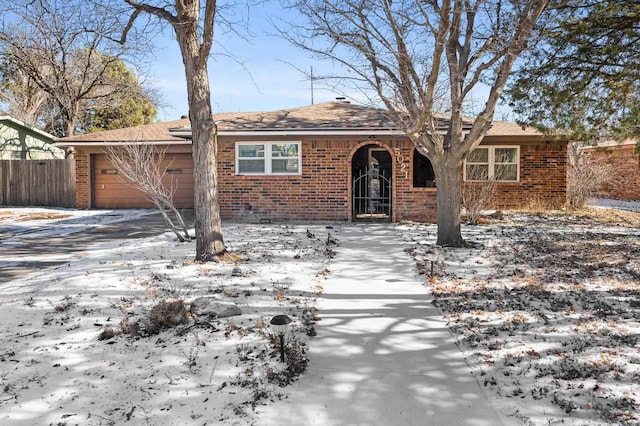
[{"x": 372, "y": 194}]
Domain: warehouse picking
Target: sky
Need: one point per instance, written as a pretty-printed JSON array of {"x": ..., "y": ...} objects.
[
  {"x": 262, "y": 75},
  {"x": 261, "y": 72}
]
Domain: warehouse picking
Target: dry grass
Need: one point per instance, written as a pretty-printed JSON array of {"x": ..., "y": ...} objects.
[
  {"x": 232, "y": 257},
  {"x": 539, "y": 205},
  {"x": 17, "y": 216},
  {"x": 584, "y": 215},
  {"x": 554, "y": 318},
  {"x": 41, "y": 216},
  {"x": 611, "y": 216}
]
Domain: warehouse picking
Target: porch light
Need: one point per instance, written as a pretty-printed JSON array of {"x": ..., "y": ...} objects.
[{"x": 280, "y": 325}]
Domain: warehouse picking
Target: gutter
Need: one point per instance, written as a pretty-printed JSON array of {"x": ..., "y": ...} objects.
[
  {"x": 120, "y": 143},
  {"x": 294, "y": 132}
]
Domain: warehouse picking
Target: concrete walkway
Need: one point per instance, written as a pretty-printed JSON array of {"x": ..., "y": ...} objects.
[{"x": 383, "y": 354}]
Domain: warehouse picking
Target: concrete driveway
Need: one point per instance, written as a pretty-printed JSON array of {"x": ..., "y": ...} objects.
[{"x": 22, "y": 252}]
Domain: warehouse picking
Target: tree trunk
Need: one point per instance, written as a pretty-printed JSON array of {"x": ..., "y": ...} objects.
[
  {"x": 169, "y": 222},
  {"x": 449, "y": 184},
  {"x": 71, "y": 120},
  {"x": 208, "y": 225}
]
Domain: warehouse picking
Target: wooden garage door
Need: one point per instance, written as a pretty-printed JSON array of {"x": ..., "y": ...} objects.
[{"x": 109, "y": 190}]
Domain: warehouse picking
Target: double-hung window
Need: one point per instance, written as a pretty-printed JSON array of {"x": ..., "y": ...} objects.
[
  {"x": 268, "y": 158},
  {"x": 500, "y": 163}
]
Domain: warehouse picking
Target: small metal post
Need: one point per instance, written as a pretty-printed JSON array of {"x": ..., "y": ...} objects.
[{"x": 282, "y": 347}]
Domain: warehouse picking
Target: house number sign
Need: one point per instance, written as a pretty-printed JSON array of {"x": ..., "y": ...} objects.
[{"x": 404, "y": 169}]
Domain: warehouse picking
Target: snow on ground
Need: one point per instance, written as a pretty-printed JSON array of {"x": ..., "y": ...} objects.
[
  {"x": 55, "y": 369},
  {"x": 633, "y": 206},
  {"x": 23, "y": 227},
  {"x": 545, "y": 307},
  {"x": 34, "y": 222}
]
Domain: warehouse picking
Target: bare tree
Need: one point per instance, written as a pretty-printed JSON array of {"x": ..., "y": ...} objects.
[
  {"x": 193, "y": 25},
  {"x": 403, "y": 50},
  {"x": 143, "y": 167},
  {"x": 23, "y": 98},
  {"x": 480, "y": 186},
  {"x": 478, "y": 191},
  {"x": 62, "y": 50},
  {"x": 585, "y": 176}
]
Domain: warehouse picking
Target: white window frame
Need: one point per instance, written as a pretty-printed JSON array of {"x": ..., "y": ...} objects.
[
  {"x": 492, "y": 163},
  {"x": 268, "y": 158}
]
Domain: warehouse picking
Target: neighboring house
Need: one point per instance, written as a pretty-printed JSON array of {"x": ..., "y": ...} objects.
[
  {"x": 21, "y": 141},
  {"x": 330, "y": 161},
  {"x": 625, "y": 158}
]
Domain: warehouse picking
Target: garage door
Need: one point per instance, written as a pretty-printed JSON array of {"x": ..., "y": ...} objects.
[{"x": 109, "y": 190}]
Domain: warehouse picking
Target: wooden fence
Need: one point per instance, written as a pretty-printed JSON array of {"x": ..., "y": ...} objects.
[{"x": 38, "y": 183}]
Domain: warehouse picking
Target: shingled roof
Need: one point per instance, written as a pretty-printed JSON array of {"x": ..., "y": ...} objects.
[
  {"x": 147, "y": 132},
  {"x": 325, "y": 117}
]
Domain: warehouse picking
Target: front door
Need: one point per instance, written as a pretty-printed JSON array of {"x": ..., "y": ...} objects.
[{"x": 371, "y": 187}]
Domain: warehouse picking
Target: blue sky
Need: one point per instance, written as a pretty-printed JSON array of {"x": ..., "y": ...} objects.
[{"x": 261, "y": 77}]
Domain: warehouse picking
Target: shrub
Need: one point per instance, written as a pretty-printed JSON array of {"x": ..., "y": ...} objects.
[
  {"x": 585, "y": 176},
  {"x": 168, "y": 313}
]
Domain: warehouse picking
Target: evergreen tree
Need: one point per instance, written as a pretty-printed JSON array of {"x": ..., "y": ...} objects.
[{"x": 583, "y": 76}]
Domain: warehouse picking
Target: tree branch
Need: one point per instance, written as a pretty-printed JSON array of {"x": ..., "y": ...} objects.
[{"x": 207, "y": 37}]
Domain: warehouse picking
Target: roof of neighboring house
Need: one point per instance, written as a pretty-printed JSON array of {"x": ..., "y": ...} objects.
[
  {"x": 157, "y": 132},
  {"x": 328, "y": 117},
  {"x": 627, "y": 143},
  {"x": 20, "y": 123}
]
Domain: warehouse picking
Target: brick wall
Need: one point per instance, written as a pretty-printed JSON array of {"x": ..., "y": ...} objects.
[
  {"x": 285, "y": 197},
  {"x": 323, "y": 191},
  {"x": 626, "y": 161},
  {"x": 543, "y": 178},
  {"x": 83, "y": 180},
  {"x": 414, "y": 204}
]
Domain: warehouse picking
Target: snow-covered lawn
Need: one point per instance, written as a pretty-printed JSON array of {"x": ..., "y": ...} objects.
[
  {"x": 545, "y": 307},
  {"x": 55, "y": 369}
]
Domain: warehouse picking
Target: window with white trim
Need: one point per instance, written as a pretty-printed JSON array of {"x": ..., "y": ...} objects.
[
  {"x": 268, "y": 158},
  {"x": 500, "y": 163}
]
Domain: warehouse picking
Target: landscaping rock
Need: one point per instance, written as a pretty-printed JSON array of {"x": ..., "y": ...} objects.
[{"x": 207, "y": 306}]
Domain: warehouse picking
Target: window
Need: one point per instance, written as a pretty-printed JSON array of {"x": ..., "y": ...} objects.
[
  {"x": 493, "y": 162},
  {"x": 108, "y": 171},
  {"x": 423, "y": 175},
  {"x": 268, "y": 158}
]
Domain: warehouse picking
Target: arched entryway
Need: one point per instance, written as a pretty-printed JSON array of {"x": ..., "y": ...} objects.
[{"x": 371, "y": 188}]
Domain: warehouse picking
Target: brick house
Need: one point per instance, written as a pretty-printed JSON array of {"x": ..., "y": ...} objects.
[
  {"x": 330, "y": 161},
  {"x": 626, "y": 160}
]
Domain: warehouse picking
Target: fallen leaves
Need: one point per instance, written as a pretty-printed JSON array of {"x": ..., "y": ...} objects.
[{"x": 549, "y": 308}]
